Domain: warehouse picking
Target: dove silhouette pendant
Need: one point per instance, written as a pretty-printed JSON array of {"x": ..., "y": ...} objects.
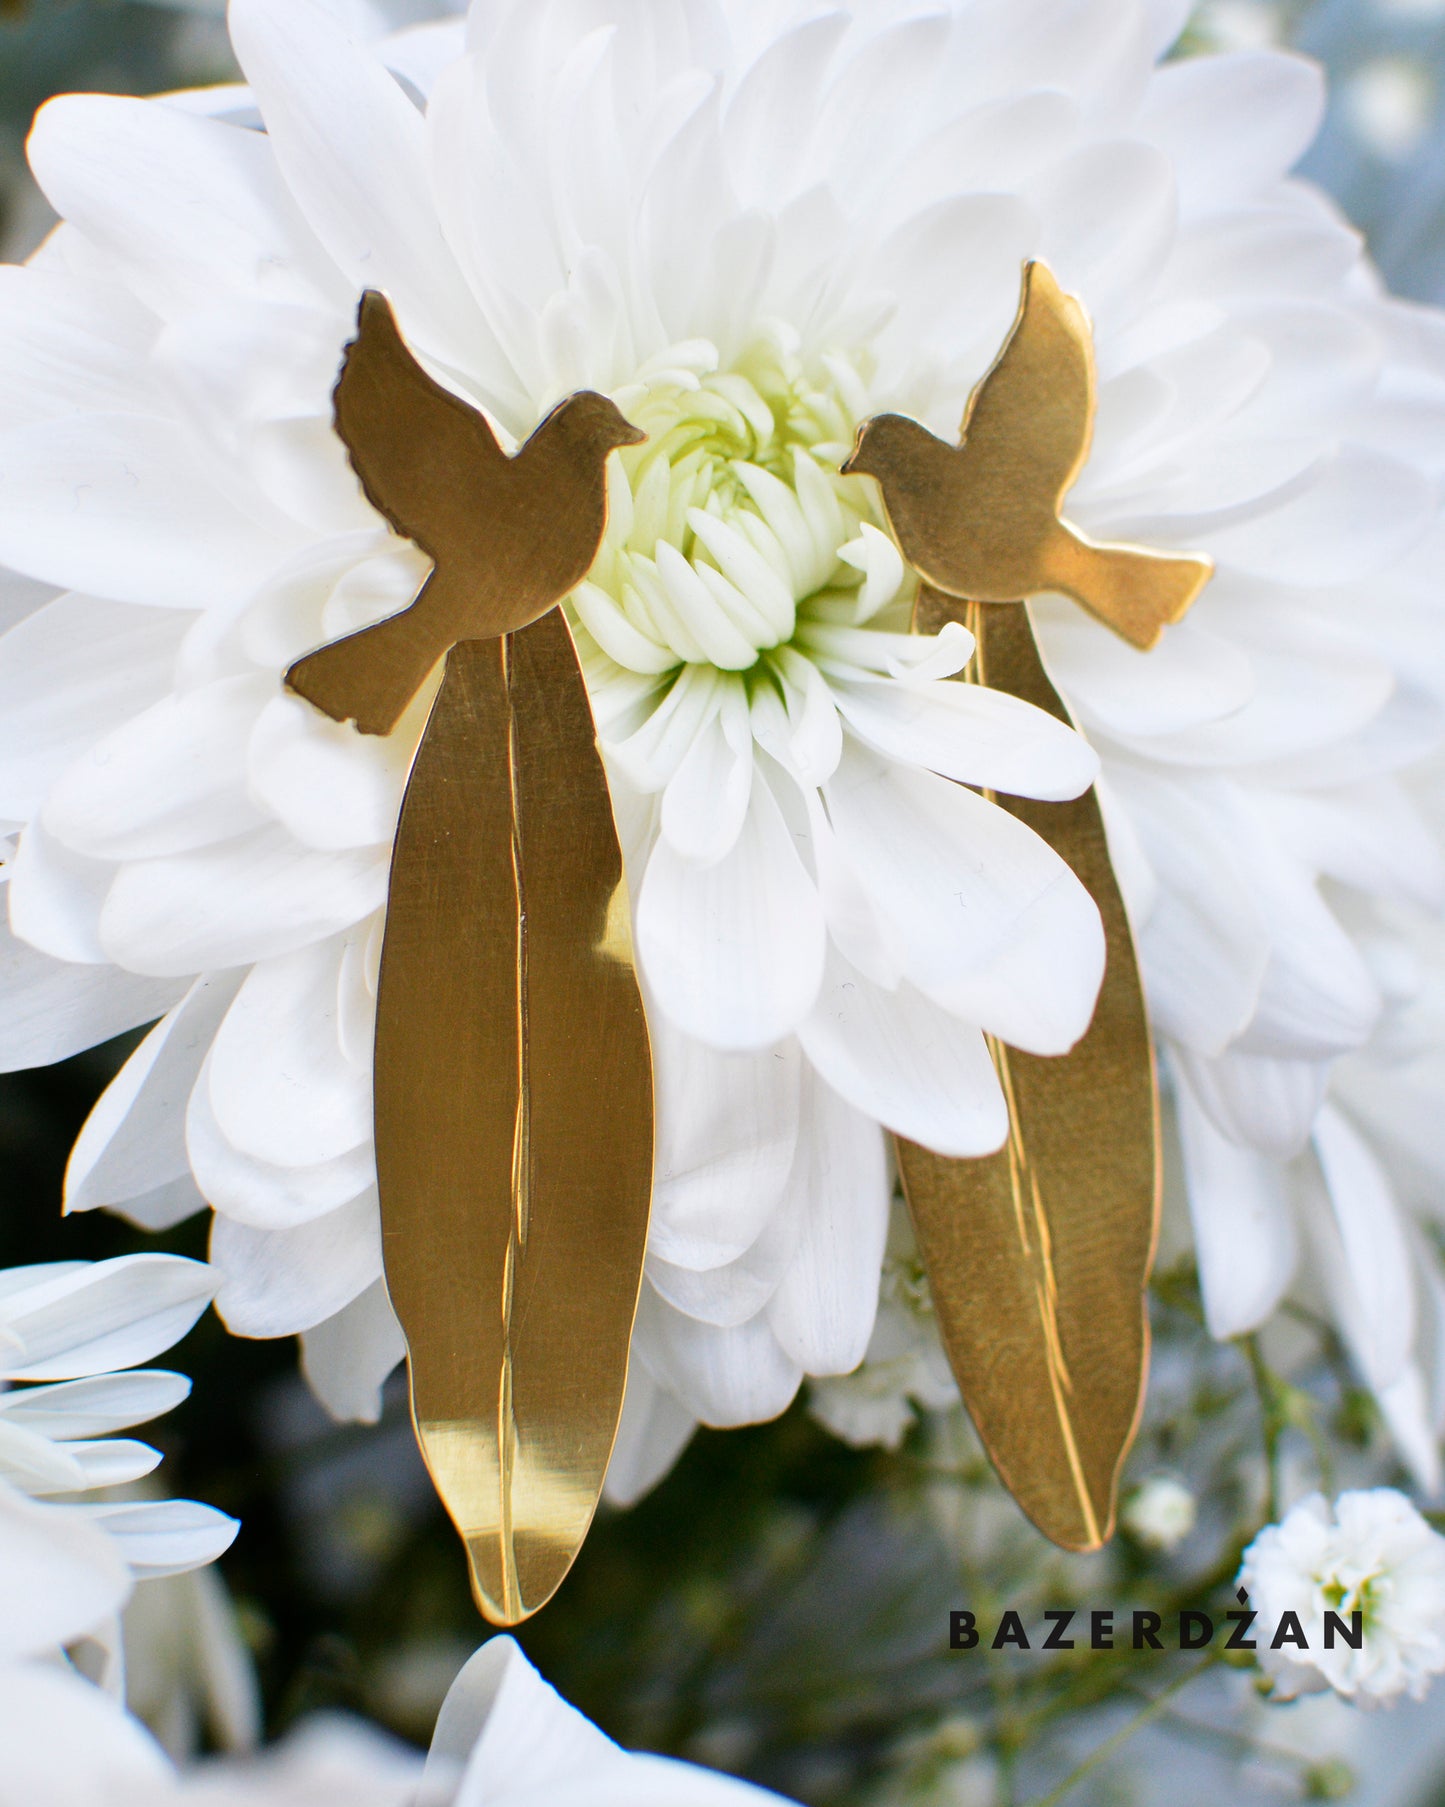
[
  {"x": 1039, "y": 1256},
  {"x": 983, "y": 520},
  {"x": 513, "y": 1109}
]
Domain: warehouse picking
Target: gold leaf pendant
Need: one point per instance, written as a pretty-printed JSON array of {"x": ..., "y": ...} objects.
[
  {"x": 1039, "y": 1256},
  {"x": 512, "y": 1091}
]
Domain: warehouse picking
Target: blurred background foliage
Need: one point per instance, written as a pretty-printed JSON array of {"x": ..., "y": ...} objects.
[{"x": 779, "y": 1605}]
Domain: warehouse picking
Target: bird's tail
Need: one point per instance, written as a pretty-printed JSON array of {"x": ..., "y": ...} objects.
[
  {"x": 371, "y": 676},
  {"x": 1136, "y": 593}
]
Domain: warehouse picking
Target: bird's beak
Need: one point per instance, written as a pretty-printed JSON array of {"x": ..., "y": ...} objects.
[
  {"x": 852, "y": 464},
  {"x": 627, "y": 434}
]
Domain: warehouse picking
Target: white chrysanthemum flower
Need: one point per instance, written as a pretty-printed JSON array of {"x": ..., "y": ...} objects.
[
  {"x": 753, "y": 226},
  {"x": 1373, "y": 1555},
  {"x": 71, "y": 1334}
]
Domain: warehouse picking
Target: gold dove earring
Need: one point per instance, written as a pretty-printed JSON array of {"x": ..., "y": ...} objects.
[
  {"x": 1039, "y": 1256},
  {"x": 512, "y": 1090}
]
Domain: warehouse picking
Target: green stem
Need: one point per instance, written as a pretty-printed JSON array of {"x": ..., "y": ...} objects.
[
  {"x": 1265, "y": 1388},
  {"x": 1155, "y": 1710}
]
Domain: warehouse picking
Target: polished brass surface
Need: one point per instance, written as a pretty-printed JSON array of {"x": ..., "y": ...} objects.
[
  {"x": 1038, "y": 1257},
  {"x": 513, "y": 1107},
  {"x": 981, "y": 521},
  {"x": 513, "y": 1110},
  {"x": 508, "y": 537}
]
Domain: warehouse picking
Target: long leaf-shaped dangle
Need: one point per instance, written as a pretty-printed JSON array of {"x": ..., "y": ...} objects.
[{"x": 1038, "y": 1257}]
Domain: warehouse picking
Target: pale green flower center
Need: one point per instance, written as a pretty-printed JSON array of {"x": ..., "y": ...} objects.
[
  {"x": 731, "y": 528},
  {"x": 1357, "y": 1595}
]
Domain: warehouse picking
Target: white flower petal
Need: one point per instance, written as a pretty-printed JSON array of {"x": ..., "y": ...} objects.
[
  {"x": 133, "y": 1141},
  {"x": 779, "y": 89},
  {"x": 996, "y": 928},
  {"x": 281, "y": 1088},
  {"x": 260, "y": 1193},
  {"x": 733, "y": 952},
  {"x": 706, "y": 800},
  {"x": 1233, "y": 124},
  {"x": 1109, "y": 215},
  {"x": 1190, "y": 677},
  {"x": 1361, "y": 511},
  {"x": 823, "y": 1310},
  {"x": 134, "y": 509},
  {"x": 1369, "y": 836},
  {"x": 704, "y": 618},
  {"x": 724, "y": 1377},
  {"x": 1366, "y": 1262},
  {"x": 1263, "y": 252},
  {"x": 1262, "y": 1102},
  {"x": 735, "y": 1292},
  {"x": 782, "y": 512},
  {"x": 348, "y": 1358},
  {"x": 171, "y": 779},
  {"x": 34, "y": 1465},
  {"x": 96, "y": 1406},
  {"x": 974, "y": 735},
  {"x": 164, "y": 1537},
  {"x": 54, "y": 1009},
  {"x": 955, "y": 268},
  {"x": 727, "y": 1131},
  {"x": 111, "y": 1462},
  {"x": 1405, "y": 1407},
  {"x": 617, "y": 636},
  {"x": 1314, "y": 682},
  {"x": 352, "y": 149},
  {"x": 875, "y": 555},
  {"x": 654, "y": 1430},
  {"x": 1206, "y": 944},
  {"x": 69, "y": 672},
  {"x": 1243, "y": 1229},
  {"x": 56, "y": 897},
  {"x": 279, "y": 1282},
  {"x": 45, "y": 1709},
  {"x": 187, "y": 207},
  {"x": 59, "y": 1576},
  {"x": 800, "y": 729},
  {"x": 330, "y": 786},
  {"x": 741, "y": 562},
  {"x": 68, "y": 344},
  {"x": 905, "y": 1062},
  {"x": 650, "y": 755},
  {"x": 96, "y": 1317},
  {"x": 249, "y": 899}
]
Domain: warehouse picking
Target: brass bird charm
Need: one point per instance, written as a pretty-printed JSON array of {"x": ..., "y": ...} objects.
[
  {"x": 512, "y": 1087},
  {"x": 1039, "y": 1256},
  {"x": 509, "y": 537},
  {"x": 982, "y": 520}
]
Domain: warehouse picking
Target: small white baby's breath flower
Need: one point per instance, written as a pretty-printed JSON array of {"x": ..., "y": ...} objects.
[
  {"x": 1374, "y": 1555},
  {"x": 1161, "y": 1513}
]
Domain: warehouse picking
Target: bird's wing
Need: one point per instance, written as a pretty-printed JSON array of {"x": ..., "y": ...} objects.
[
  {"x": 421, "y": 453},
  {"x": 1033, "y": 414}
]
